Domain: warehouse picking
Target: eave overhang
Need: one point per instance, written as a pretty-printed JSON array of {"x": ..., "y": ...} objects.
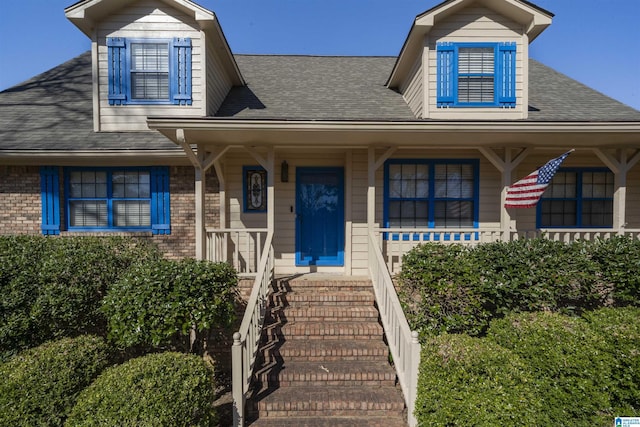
[
  {"x": 360, "y": 134},
  {"x": 533, "y": 19},
  {"x": 94, "y": 157}
]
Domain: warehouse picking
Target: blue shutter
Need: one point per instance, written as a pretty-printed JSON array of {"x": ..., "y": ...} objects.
[
  {"x": 507, "y": 75},
  {"x": 50, "y": 196},
  {"x": 181, "y": 84},
  {"x": 446, "y": 74},
  {"x": 116, "y": 50},
  {"x": 160, "y": 201}
]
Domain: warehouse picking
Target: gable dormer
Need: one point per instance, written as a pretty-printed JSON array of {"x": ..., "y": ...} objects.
[
  {"x": 154, "y": 58},
  {"x": 468, "y": 60}
]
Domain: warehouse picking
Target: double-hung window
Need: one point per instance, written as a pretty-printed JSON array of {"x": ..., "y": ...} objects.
[
  {"x": 149, "y": 71},
  {"x": 476, "y": 74},
  {"x": 578, "y": 198},
  {"x": 431, "y": 193},
  {"x": 117, "y": 199}
]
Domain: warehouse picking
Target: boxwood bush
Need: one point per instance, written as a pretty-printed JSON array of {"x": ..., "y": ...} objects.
[
  {"x": 470, "y": 381},
  {"x": 53, "y": 287},
  {"x": 39, "y": 386},
  {"x": 451, "y": 288},
  {"x": 157, "y": 303},
  {"x": 165, "y": 389},
  {"x": 619, "y": 330},
  {"x": 572, "y": 372}
]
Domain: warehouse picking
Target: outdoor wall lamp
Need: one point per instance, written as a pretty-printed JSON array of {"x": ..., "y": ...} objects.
[{"x": 284, "y": 171}]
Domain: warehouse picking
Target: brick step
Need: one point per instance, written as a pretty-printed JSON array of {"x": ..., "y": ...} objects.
[
  {"x": 327, "y": 373},
  {"x": 327, "y": 298},
  {"x": 369, "y": 421},
  {"x": 325, "y": 283},
  {"x": 323, "y": 331},
  {"x": 319, "y": 350},
  {"x": 322, "y": 401},
  {"x": 325, "y": 313}
]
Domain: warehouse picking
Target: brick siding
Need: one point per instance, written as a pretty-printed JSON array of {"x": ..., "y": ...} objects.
[{"x": 21, "y": 207}]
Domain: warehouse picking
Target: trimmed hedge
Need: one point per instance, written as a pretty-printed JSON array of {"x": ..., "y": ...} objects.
[
  {"x": 453, "y": 288},
  {"x": 471, "y": 381},
  {"x": 158, "y": 303},
  {"x": 53, "y": 287},
  {"x": 619, "y": 331},
  {"x": 165, "y": 389},
  {"x": 40, "y": 386},
  {"x": 572, "y": 369}
]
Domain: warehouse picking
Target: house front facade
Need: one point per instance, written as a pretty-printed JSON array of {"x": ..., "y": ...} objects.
[{"x": 161, "y": 132}]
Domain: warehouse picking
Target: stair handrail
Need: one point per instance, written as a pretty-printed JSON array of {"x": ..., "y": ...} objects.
[
  {"x": 403, "y": 342},
  {"x": 247, "y": 338}
]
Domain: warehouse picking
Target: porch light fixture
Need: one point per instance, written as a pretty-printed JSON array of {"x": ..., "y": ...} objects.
[{"x": 284, "y": 171}]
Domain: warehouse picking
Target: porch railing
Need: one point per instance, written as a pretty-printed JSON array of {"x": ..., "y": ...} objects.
[
  {"x": 247, "y": 339},
  {"x": 403, "y": 343},
  {"x": 240, "y": 247},
  {"x": 572, "y": 234}
]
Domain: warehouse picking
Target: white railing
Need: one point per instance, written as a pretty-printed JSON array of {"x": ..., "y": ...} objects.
[
  {"x": 572, "y": 234},
  {"x": 395, "y": 242},
  {"x": 247, "y": 340},
  {"x": 240, "y": 247},
  {"x": 403, "y": 343}
]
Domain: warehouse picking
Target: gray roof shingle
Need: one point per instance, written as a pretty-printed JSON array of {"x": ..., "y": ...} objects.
[{"x": 53, "y": 111}]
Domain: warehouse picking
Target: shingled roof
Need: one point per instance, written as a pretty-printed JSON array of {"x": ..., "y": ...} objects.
[{"x": 53, "y": 111}]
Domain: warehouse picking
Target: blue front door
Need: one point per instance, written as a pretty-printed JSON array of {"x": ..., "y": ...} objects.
[{"x": 319, "y": 216}]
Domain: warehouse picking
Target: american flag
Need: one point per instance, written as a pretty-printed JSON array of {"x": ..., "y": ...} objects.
[{"x": 527, "y": 192}]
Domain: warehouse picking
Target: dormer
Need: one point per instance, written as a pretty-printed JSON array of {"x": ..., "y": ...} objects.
[
  {"x": 154, "y": 58},
  {"x": 468, "y": 60}
]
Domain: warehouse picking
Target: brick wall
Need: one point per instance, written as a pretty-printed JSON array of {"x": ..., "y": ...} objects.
[{"x": 20, "y": 207}]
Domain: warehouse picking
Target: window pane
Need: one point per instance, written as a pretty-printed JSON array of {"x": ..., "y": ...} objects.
[
  {"x": 597, "y": 213},
  {"x": 454, "y": 181},
  {"x": 453, "y": 214},
  {"x": 558, "y": 213},
  {"x": 597, "y": 184},
  {"x": 131, "y": 213},
  {"x": 150, "y": 70},
  {"x": 563, "y": 185},
  {"x": 476, "y": 68},
  {"x": 83, "y": 213}
]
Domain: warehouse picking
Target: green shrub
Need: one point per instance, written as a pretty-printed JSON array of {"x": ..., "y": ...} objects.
[
  {"x": 473, "y": 382},
  {"x": 53, "y": 287},
  {"x": 572, "y": 373},
  {"x": 157, "y": 303},
  {"x": 166, "y": 389},
  {"x": 39, "y": 386},
  {"x": 451, "y": 288},
  {"x": 618, "y": 257},
  {"x": 619, "y": 329},
  {"x": 434, "y": 288}
]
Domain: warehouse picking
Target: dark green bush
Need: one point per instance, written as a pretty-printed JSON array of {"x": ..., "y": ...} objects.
[
  {"x": 572, "y": 373},
  {"x": 434, "y": 288},
  {"x": 53, "y": 287},
  {"x": 473, "y": 382},
  {"x": 450, "y": 288},
  {"x": 39, "y": 386},
  {"x": 166, "y": 389},
  {"x": 619, "y": 261},
  {"x": 157, "y": 303},
  {"x": 619, "y": 330}
]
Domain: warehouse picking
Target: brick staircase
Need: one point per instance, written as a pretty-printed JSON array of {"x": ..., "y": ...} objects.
[{"x": 323, "y": 361}]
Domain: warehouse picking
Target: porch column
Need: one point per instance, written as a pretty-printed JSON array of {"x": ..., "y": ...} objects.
[
  {"x": 200, "y": 191},
  {"x": 505, "y": 165},
  {"x": 271, "y": 202},
  {"x": 371, "y": 189},
  {"x": 620, "y": 165}
]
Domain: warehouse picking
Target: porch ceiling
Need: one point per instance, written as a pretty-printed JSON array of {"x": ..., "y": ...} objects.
[{"x": 426, "y": 134}]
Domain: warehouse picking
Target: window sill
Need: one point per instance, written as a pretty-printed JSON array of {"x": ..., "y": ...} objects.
[{"x": 107, "y": 233}]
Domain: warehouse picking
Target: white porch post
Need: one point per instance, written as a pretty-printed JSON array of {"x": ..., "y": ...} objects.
[
  {"x": 271, "y": 202},
  {"x": 200, "y": 192},
  {"x": 371, "y": 189},
  {"x": 620, "y": 166},
  {"x": 505, "y": 166}
]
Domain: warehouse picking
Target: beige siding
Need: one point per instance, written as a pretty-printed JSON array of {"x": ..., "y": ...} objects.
[
  {"x": 218, "y": 84},
  {"x": 147, "y": 19},
  {"x": 478, "y": 24},
  {"x": 413, "y": 89},
  {"x": 633, "y": 198}
]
